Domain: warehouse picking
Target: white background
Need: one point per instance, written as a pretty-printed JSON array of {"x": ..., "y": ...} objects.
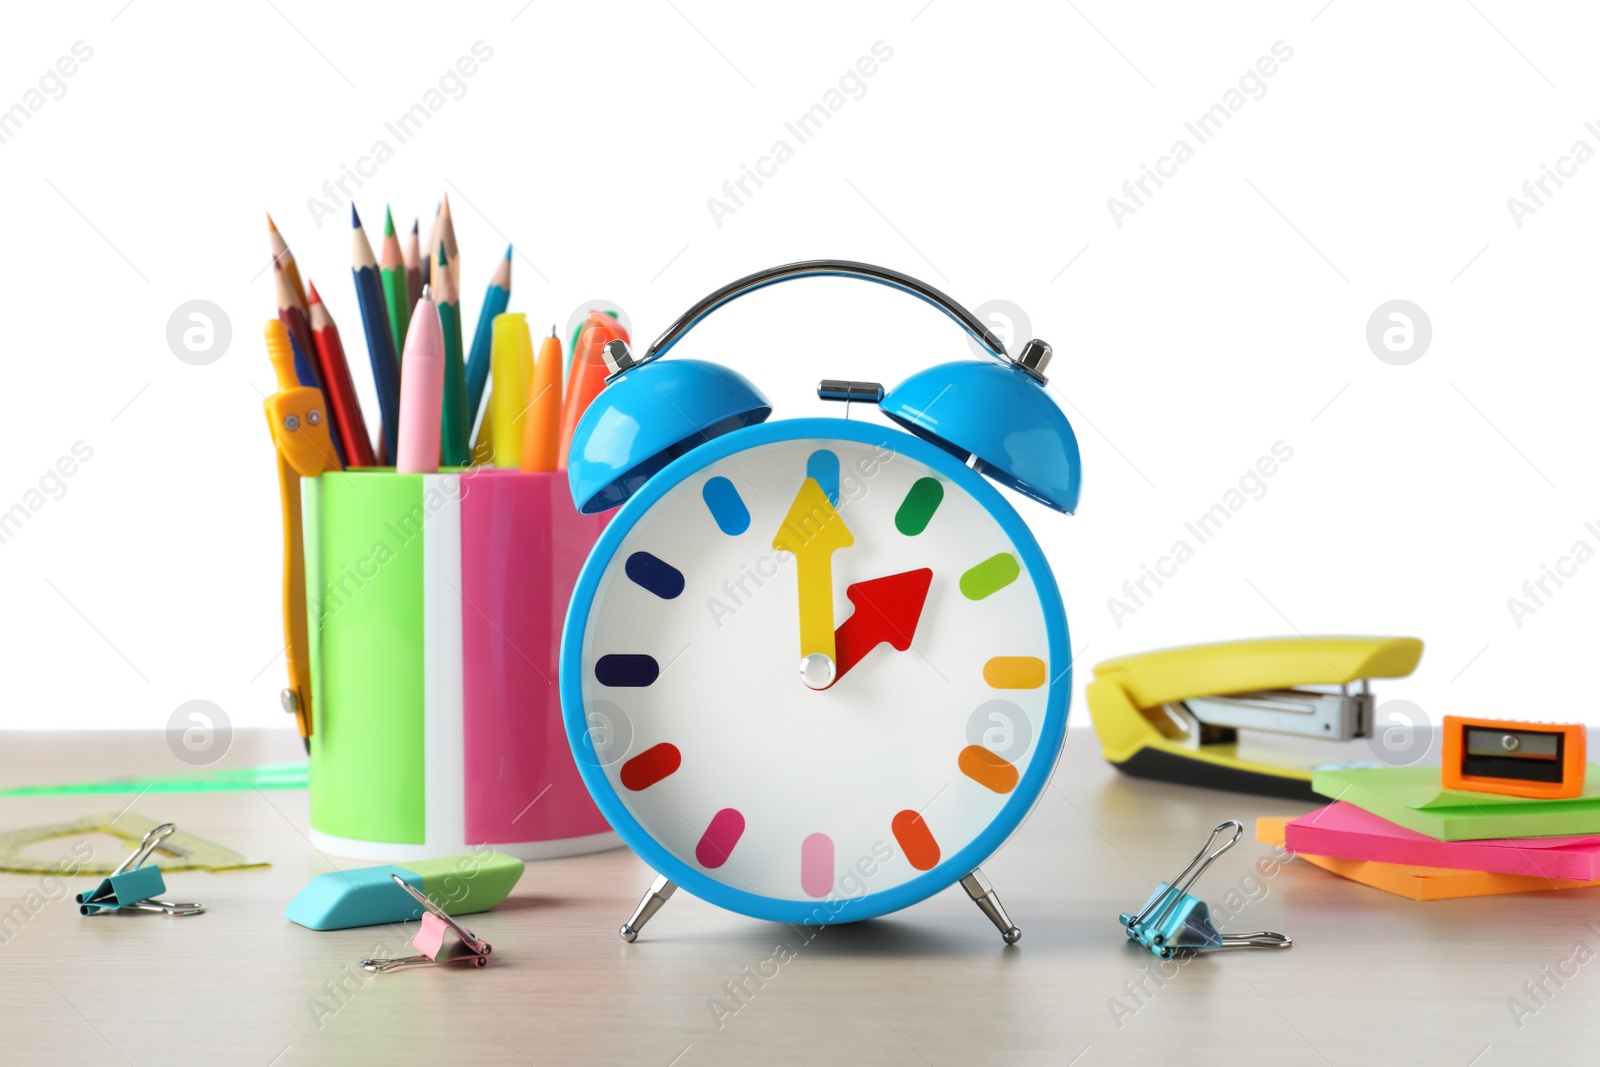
[{"x": 1227, "y": 314}]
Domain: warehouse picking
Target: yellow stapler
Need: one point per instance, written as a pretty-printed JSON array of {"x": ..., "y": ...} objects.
[{"x": 1174, "y": 715}]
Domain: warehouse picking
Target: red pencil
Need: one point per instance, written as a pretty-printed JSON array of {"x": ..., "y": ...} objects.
[{"x": 338, "y": 387}]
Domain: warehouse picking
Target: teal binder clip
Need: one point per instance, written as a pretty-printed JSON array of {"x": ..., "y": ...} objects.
[
  {"x": 1174, "y": 924},
  {"x": 134, "y": 885}
]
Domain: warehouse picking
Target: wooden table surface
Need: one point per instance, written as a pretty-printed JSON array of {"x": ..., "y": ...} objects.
[{"x": 1371, "y": 979}]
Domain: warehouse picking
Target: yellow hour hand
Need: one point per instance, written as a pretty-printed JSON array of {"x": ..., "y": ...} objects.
[{"x": 812, "y": 531}]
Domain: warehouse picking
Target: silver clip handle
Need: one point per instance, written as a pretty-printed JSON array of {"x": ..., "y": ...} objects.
[
  {"x": 165, "y": 907},
  {"x": 1190, "y": 874},
  {"x": 148, "y": 845},
  {"x": 378, "y": 966},
  {"x": 467, "y": 937},
  {"x": 1259, "y": 939}
]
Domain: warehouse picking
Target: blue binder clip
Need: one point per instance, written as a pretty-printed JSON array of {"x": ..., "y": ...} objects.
[
  {"x": 133, "y": 886},
  {"x": 1174, "y": 924}
]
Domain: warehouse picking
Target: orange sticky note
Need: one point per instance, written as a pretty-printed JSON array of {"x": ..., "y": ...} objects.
[{"x": 1419, "y": 883}]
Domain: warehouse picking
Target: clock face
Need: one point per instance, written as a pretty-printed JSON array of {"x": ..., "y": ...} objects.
[{"x": 822, "y": 663}]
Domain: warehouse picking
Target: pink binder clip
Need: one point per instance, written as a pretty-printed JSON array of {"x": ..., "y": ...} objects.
[{"x": 467, "y": 948}]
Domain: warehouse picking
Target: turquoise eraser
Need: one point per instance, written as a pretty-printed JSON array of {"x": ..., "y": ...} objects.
[
  {"x": 339, "y": 900},
  {"x": 461, "y": 885}
]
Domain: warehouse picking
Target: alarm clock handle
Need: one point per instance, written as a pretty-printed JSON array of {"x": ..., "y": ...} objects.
[{"x": 813, "y": 268}]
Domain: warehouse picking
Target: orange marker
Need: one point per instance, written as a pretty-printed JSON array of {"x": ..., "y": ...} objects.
[
  {"x": 541, "y": 425},
  {"x": 588, "y": 375}
]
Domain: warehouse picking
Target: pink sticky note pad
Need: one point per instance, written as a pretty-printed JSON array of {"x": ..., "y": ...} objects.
[
  {"x": 430, "y": 937},
  {"x": 1345, "y": 831}
]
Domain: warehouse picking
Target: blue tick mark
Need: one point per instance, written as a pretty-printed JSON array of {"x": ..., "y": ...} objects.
[
  {"x": 654, "y": 574},
  {"x": 627, "y": 671},
  {"x": 723, "y": 500},
  {"x": 823, "y": 466}
]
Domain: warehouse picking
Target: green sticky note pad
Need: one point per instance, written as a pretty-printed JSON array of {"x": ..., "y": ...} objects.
[{"x": 1414, "y": 797}]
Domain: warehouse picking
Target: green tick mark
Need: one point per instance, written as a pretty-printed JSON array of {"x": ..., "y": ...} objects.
[
  {"x": 990, "y": 576},
  {"x": 917, "y": 509}
]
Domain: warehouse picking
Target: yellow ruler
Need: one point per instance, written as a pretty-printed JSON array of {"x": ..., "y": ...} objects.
[{"x": 179, "y": 852}]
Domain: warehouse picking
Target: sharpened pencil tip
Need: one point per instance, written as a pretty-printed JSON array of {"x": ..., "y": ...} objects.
[
  {"x": 508, "y": 251},
  {"x": 273, "y": 226},
  {"x": 355, "y": 219},
  {"x": 414, "y": 224},
  {"x": 388, "y": 221},
  {"x": 444, "y": 260},
  {"x": 312, "y": 296}
]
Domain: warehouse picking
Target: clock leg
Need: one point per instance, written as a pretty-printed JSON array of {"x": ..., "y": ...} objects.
[
  {"x": 982, "y": 893},
  {"x": 657, "y": 895}
]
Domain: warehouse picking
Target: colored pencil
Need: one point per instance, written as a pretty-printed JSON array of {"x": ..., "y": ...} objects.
[
  {"x": 413, "y": 257},
  {"x": 396, "y": 295},
  {"x": 455, "y": 444},
  {"x": 588, "y": 375},
  {"x": 433, "y": 243},
  {"x": 375, "y": 323},
  {"x": 340, "y": 390},
  {"x": 293, "y": 316},
  {"x": 513, "y": 377},
  {"x": 447, "y": 234},
  {"x": 541, "y": 423},
  {"x": 495, "y": 300},
  {"x": 285, "y": 259},
  {"x": 423, "y": 391},
  {"x": 292, "y": 313}
]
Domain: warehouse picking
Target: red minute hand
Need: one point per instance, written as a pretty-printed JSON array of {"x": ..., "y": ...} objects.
[{"x": 887, "y": 609}]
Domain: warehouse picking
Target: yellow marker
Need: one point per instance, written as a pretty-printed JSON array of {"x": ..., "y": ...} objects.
[
  {"x": 812, "y": 531},
  {"x": 297, "y": 420},
  {"x": 511, "y": 371}
]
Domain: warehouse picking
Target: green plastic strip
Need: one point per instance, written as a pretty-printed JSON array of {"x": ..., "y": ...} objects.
[
  {"x": 229, "y": 780},
  {"x": 367, "y": 653}
]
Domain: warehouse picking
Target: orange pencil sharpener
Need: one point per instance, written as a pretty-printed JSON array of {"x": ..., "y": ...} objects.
[{"x": 1519, "y": 759}]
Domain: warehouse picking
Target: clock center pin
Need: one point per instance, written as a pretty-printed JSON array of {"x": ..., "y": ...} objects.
[{"x": 817, "y": 671}]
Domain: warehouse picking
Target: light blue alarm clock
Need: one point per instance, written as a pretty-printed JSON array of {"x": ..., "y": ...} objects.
[{"x": 817, "y": 670}]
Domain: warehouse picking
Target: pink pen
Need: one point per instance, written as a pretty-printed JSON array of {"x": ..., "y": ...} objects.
[{"x": 421, "y": 390}]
